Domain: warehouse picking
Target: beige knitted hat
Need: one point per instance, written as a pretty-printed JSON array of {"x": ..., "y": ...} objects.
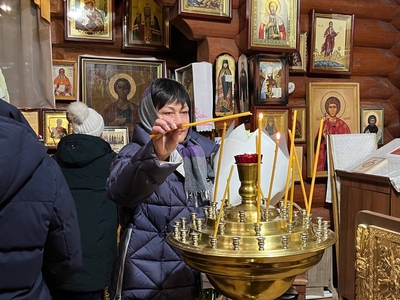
[{"x": 85, "y": 120}]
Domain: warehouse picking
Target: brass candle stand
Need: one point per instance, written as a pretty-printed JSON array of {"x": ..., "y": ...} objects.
[{"x": 246, "y": 259}]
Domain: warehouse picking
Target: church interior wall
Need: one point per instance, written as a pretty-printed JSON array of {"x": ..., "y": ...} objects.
[{"x": 375, "y": 64}]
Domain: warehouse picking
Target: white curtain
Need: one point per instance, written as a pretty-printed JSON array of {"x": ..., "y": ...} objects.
[{"x": 25, "y": 54}]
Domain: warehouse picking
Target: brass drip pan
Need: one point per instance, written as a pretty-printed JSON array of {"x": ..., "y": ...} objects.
[{"x": 246, "y": 259}]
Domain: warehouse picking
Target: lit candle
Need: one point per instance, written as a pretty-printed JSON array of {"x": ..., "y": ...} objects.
[
  {"x": 221, "y": 149},
  {"x": 260, "y": 117},
  {"x": 271, "y": 183},
  {"x": 314, "y": 174},
  {"x": 221, "y": 209}
]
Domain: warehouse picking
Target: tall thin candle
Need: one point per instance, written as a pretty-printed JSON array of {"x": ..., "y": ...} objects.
[
  {"x": 228, "y": 184},
  {"x": 221, "y": 150},
  {"x": 271, "y": 183},
  {"x": 221, "y": 209},
  {"x": 290, "y": 166},
  {"x": 260, "y": 117},
  {"x": 208, "y": 121},
  {"x": 256, "y": 139},
  {"x": 303, "y": 189},
  {"x": 291, "y": 194},
  {"x": 314, "y": 174},
  {"x": 285, "y": 197}
]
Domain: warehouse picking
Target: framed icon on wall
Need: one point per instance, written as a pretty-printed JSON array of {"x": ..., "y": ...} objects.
[
  {"x": 91, "y": 20},
  {"x": 269, "y": 80}
]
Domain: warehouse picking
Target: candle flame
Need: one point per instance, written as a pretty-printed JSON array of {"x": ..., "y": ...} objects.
[
  {"x": 260, "y": 116},
  {"x": 278, "y": 136}
]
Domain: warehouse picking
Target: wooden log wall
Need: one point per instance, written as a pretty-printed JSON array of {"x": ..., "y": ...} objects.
[{"x": 375, "y": 57}]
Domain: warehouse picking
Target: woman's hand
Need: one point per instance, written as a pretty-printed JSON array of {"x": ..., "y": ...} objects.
[{"x": 168, "y": 139}]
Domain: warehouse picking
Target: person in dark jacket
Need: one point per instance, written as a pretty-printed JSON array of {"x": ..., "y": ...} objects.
[
  {"x": 8, "y": 110},
  {"x": 85, "y": 159},
  {"x": 156, "y": 182},
  {"x": 39, "y": 237}
]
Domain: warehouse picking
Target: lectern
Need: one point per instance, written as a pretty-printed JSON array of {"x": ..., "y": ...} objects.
[{"x": 359, "y": 192}]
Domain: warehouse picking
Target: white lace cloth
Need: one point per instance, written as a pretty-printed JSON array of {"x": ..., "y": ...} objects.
[
  {"x": 348, "y": 150},
  {"x": 390, "y": 170}
]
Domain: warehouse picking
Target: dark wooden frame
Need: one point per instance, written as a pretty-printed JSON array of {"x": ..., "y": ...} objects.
[
  {"x": 74, "y": 34},
  {"x": 340, "y": 62},
  {"x": 129, "y": 16},
  {"x": 259, "y": 64},
  {"x": 199, "y": 10},
  {"x": 256, "y": 11}
]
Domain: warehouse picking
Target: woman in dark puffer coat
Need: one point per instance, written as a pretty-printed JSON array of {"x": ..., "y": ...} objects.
[
  {"x": 39, "y": 238},
  {"x": 85, "y": 160},
  {"x": 156, "y": 182}
]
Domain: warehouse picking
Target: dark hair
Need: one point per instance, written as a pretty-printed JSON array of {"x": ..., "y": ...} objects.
[
  {"x": 126, "y": 81},
  {"x": 332, "y": 100},
  {"x": 164, "y": 90},
  {"x": 371, "y": 117}
]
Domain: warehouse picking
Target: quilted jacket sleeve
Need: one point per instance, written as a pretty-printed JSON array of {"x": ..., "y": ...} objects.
[
  {"x": 62, "y": 253},
  {"x": 135, "y": 174}
]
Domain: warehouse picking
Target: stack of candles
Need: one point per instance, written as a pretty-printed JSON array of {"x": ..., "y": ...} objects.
[
  {"x": 221, "y": 150},
  {"x": 273, "y": 169},
  {"x": 294, "y": 162},
  {"x": 271, "y": 183},
  {"x": 310, "y": 198},
  {"x": 221, "y": 208}
]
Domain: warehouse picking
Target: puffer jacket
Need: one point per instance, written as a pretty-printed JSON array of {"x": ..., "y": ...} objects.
[
  {"x": 152, "y": 197},
  {"x": 85, "y": 161},
  {"x": 39, "y": 237}
]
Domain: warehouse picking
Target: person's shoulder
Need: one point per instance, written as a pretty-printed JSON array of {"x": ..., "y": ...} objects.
[
  {"x": 128, "y": 151},
  {"x": 209, "y": 147}
]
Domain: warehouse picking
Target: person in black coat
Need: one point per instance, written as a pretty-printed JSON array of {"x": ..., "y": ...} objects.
[
  {"x": 39, "y": 237},
  {"x": 85, "y": 160}
]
